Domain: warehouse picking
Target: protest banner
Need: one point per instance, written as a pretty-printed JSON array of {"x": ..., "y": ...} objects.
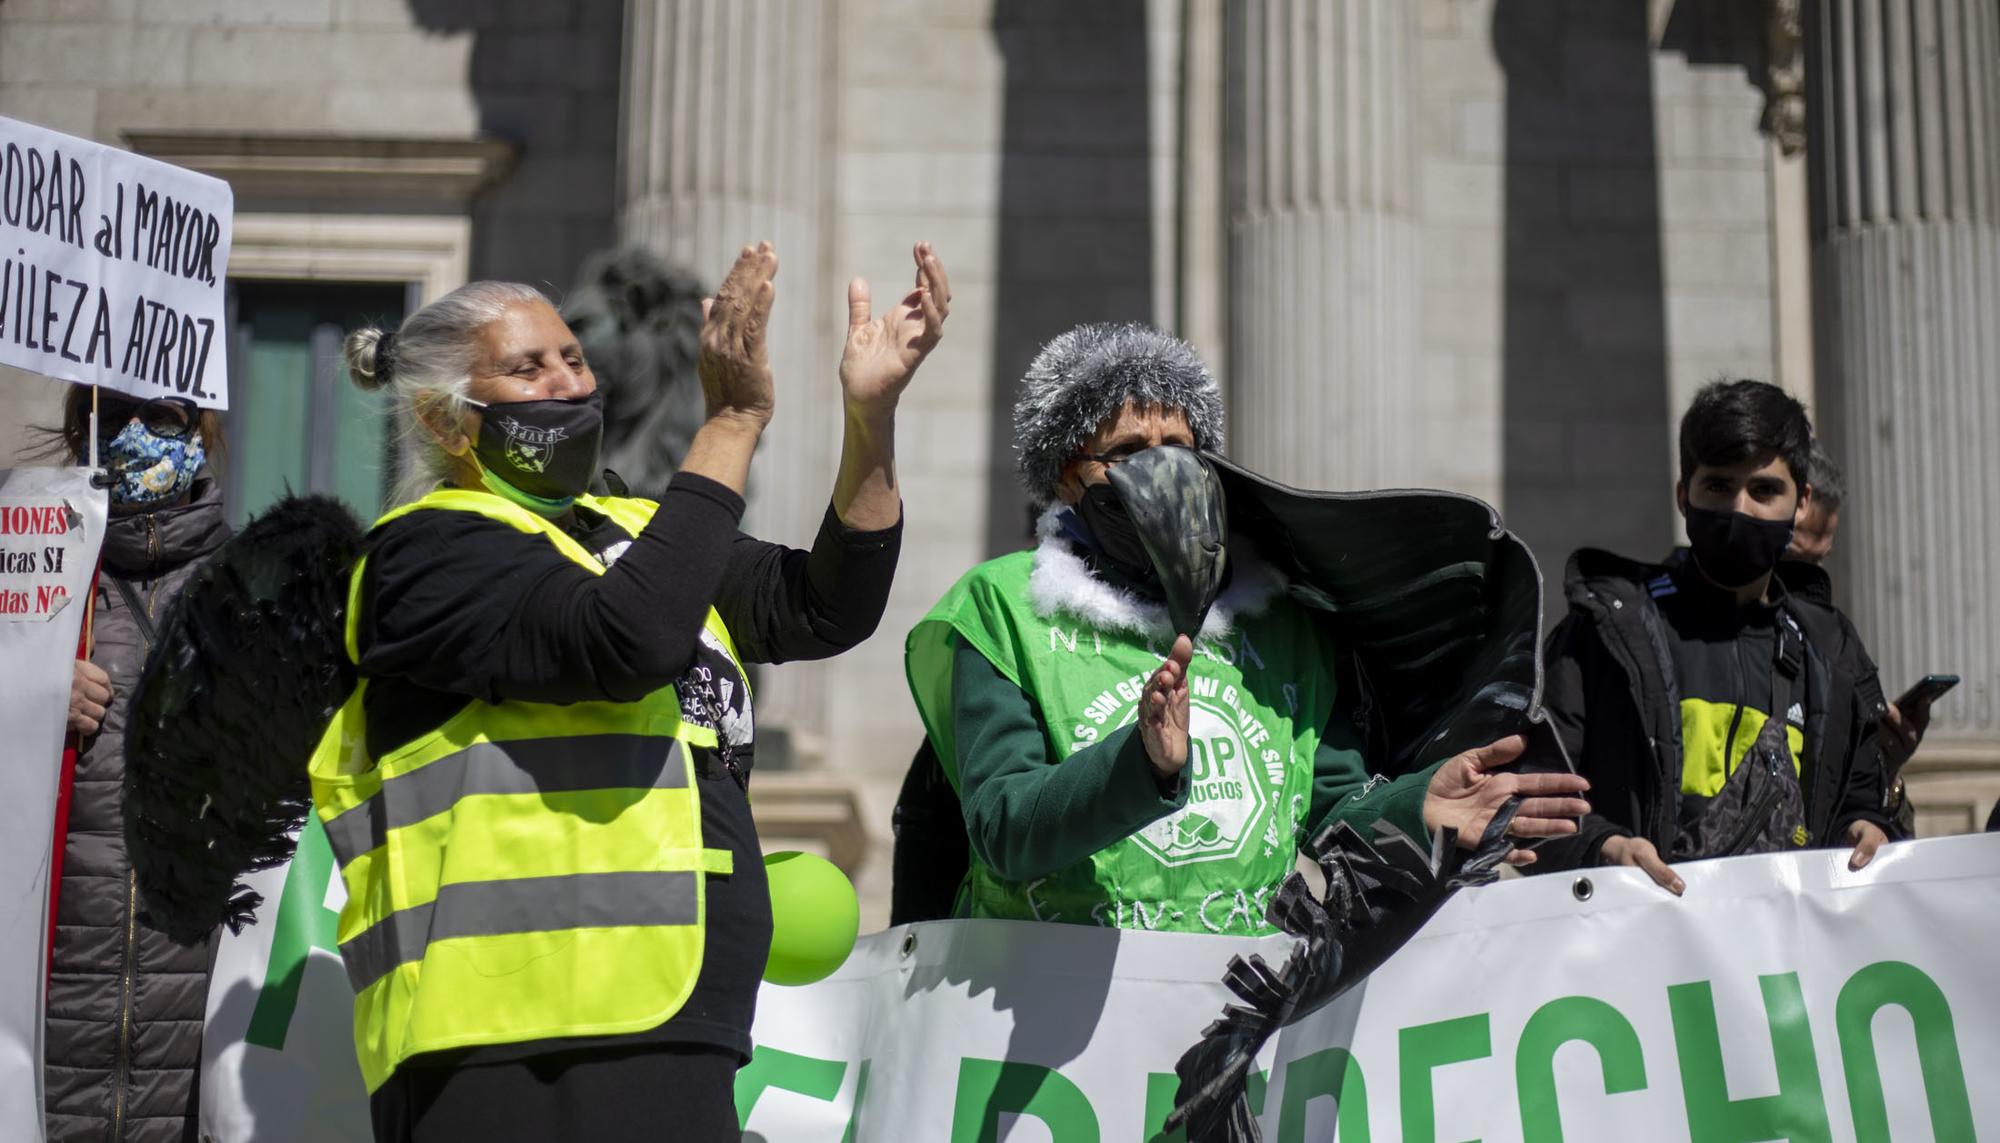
[
  {"x": 112, "y": 267},
  {"x": 1783, "y": 997},
  {"x": 51, "y": 527}
]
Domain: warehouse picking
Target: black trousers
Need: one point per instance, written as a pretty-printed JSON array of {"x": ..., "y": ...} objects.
[{"x": 654, "y": 1093}]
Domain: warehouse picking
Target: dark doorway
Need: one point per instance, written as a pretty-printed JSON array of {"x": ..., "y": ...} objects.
[
  {"x": 1587, "y": 445},
  {"x": 295, "y": 423},
  {"x": 1076, "y": 204}
]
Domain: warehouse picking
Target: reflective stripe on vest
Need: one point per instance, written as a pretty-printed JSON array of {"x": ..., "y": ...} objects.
[{"x": 524, "y": 871}]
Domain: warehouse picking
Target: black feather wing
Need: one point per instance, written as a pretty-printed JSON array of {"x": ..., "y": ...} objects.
[
  {"x": 1378, "y": 894},
  {"x": 246, "y": 672}
]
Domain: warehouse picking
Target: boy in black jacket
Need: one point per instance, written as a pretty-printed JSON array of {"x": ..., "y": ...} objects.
[{"x": 1714, "y": 711}]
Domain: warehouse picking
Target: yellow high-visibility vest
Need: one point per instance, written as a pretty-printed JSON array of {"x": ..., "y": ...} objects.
[{"x": 526, "y": 870}]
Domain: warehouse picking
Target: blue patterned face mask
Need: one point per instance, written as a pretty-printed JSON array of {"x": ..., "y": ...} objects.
[{"x": 150, "y": 468}]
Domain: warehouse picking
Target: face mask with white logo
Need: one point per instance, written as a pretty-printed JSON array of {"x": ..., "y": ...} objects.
[{"x": 544, "y": 451}]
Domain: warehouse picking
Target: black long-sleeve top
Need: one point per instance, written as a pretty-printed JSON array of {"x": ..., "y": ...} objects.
[{"x": 457, "y": 607}]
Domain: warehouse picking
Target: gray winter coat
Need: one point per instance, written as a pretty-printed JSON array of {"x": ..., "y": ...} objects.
[{"x": 125, "y": 1006}]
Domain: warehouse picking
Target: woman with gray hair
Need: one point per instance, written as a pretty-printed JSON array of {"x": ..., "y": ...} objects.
[
  {"x": 1101, "y": 785},
  {"x": 557, "y": 912}
]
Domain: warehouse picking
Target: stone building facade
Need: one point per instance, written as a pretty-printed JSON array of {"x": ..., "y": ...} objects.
[{"x": 1489, "y": 245}]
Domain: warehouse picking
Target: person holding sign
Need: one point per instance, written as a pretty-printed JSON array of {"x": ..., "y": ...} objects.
[
  {"x": 1111, "y": 769},
  {"x": 537, "y": 794},
  {"x": 125, "y": 1003}
]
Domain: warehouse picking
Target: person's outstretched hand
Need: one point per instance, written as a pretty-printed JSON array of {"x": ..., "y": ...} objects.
[
  {"x": 882, "y": 353},
  {"x": 1465, "y": 793},
  {"x": 735, "y": 366},
  {"x": 1163, "y": 711}
]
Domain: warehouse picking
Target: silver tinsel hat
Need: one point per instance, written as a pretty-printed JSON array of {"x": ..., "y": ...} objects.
[{"x": 1082, "y": 377}]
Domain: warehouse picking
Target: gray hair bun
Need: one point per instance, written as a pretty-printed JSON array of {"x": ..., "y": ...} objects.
[
  {"x": 368, "y": 352},
  {"x": 1087, "y": 375}
]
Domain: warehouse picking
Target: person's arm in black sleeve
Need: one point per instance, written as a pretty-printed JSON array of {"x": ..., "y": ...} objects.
[
  {"x": 1865, "y": 797},
  {"x": 781, "y": 604},
  {"x": 460, "y": 603},
  {"x": 1027, "y": 814},
  {"x": 1570, "y": 658}
]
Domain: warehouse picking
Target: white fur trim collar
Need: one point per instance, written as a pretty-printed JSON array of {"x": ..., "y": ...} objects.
[{"x": 1061, "y": 582}]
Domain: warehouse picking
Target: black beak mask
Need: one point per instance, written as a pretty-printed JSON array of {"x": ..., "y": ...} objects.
[{"x": 1175, "y": 502}]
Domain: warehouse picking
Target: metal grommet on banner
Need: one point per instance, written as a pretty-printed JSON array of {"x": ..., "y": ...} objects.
[
  {"x": 909, "y": 944},
  {"x": 1581, "y": 889}
]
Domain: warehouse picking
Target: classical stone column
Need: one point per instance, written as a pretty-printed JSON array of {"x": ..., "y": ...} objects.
[
  {"x": 1904, "y": 117},
  {"x": 1320, "y": 193},
  {"x": 721, "y": 146}
]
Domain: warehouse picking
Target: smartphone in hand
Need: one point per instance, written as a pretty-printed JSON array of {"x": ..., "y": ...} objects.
[{"x": 1925, "y": 691}]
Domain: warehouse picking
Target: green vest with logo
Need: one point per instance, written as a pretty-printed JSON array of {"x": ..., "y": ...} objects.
[
  {"x": 526, "y": 870},
  {"x": 1257, "y": 700}
]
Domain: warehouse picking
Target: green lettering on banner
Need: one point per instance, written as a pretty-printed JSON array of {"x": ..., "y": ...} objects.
[
  {"x": 1796, "y": 1113},
  {"x": 303, "y": 924},
  {"x": 1572, "y": 1019},
  {"x": 988, "y": 1089},
  {"x": 1907, "y": 987},
  {"x": 1335, "y": 1073},
  {"x": 1161, "y": 1087},
  {"x": 787, "y": 1071},
  {"x": 860, "y": 1094},
  {"x": 1424, "y": 1049}
]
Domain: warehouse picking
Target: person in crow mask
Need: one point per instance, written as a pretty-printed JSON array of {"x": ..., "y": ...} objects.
[
  {"x": 1714, "y": 710},
  {"x": 1112, "y": 770}
]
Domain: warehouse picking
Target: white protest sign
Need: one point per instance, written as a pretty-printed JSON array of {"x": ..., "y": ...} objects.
[
  {"x": 51, "y": 527},
  {"x": 112, "y": 267},
  {"x": 1783, "y": 997}
]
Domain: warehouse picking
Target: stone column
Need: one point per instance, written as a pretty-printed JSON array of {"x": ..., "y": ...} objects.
[
  {"x": 721, "y": 146},
  {"x": 1320, "y": 194},
  {"x": 1904, "y": 117}
]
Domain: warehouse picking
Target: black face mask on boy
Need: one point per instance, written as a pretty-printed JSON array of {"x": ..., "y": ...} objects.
[{"x": 1734, "y": 549}]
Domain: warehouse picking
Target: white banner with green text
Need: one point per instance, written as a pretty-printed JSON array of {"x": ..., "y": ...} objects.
[{"x": 1783, "y": 997}]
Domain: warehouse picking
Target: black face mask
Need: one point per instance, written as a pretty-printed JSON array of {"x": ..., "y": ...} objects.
[
  {"x": 1734, "y": 549},
  {"x": 546, "y": 449},
  {"x": 1117, "y": 537}
]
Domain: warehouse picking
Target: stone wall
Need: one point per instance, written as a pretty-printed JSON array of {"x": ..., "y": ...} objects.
[
  {"x": 544, "y": 76},
  {"x": 1597, "y": 241},
  {"x": 1037, "y": 155}
]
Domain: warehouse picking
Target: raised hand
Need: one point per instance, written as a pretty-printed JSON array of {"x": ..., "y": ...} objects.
[
  {"x": 882, "y": 353},
  {"x": 735, "y": 365},
  {"x": 1163, "y": 710},
  {"x": 1465, "y": 793}
]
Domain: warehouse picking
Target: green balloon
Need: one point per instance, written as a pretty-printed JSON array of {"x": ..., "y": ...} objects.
[{"x": 814, "y": 918}]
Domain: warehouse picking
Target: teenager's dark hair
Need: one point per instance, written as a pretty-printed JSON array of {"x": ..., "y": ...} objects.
[
  {"x": 1734, "y": 421},
  {"x": 1829, "y": 487}
]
